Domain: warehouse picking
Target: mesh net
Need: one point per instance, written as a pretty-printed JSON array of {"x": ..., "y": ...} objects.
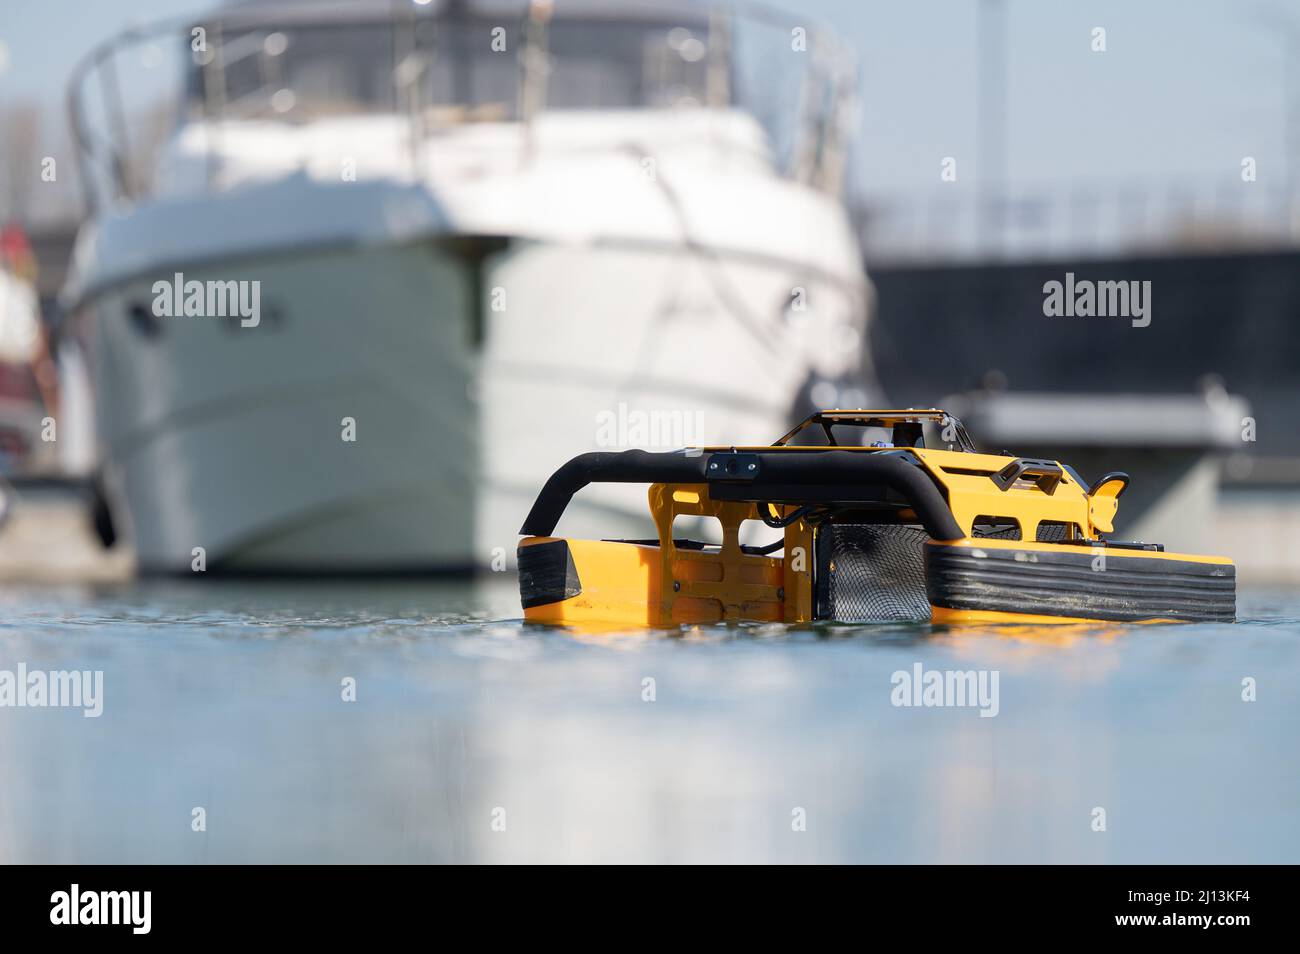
[
  {"x": 871, "y": 572},
  {"x": 998, "y": 528}
]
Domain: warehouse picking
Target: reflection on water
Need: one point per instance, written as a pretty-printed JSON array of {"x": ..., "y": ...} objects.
[{"x": 228, "y": 697}]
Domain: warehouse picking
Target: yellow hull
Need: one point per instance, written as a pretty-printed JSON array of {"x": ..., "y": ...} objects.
[{"x": 898, "y": 531}]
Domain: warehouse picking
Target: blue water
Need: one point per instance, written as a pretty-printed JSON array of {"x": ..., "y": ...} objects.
[{"x": 227, "y": 697}]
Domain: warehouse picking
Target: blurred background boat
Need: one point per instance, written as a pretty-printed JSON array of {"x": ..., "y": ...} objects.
[{"x": 487, "y": 236}]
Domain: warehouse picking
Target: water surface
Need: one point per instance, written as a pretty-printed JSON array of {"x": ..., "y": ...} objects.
[{"x": 228, "y": 697}]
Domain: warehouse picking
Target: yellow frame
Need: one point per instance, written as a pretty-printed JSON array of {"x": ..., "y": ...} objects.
[{"x": 666, "y": 586}]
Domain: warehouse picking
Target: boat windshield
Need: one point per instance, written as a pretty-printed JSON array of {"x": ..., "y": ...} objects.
[{"x": 309, "y": 71}]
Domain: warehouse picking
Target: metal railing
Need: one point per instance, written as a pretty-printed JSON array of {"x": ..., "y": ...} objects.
[{"x": 1092, "y": 220}]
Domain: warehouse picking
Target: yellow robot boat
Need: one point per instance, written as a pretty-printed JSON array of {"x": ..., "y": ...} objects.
[{"x": 889, "y": 529}]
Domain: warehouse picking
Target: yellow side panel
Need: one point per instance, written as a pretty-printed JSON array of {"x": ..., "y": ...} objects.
[
  {"x": 620, "y": 585},
  {"x": 632, "y": 585}
]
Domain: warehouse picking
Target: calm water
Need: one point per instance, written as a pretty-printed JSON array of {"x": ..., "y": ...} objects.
[{"x": 228, "y": 697}]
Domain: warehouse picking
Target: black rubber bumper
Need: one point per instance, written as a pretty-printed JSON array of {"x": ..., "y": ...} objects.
[
  {"x": 1047, "y": 582},
  {"x": 776, "y": 475},
  {"x": 546, "y": 573}
]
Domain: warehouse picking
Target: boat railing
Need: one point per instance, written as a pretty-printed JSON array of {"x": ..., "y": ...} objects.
[{"x": 729, "y": 61}]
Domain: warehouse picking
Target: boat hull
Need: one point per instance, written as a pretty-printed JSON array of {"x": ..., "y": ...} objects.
[
  {"x": 459, "y": 381},
  {"x": 332, "y": 436}
]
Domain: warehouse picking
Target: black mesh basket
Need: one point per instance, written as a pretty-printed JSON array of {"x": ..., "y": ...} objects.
[{"x": 871, "y": 572}]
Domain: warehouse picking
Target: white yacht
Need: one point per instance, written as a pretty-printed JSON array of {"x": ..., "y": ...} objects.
[{"x": 471, "y": 240}]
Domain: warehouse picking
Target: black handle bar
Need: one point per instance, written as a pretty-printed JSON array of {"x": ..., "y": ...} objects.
[{"x": 775, "y": 469}]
